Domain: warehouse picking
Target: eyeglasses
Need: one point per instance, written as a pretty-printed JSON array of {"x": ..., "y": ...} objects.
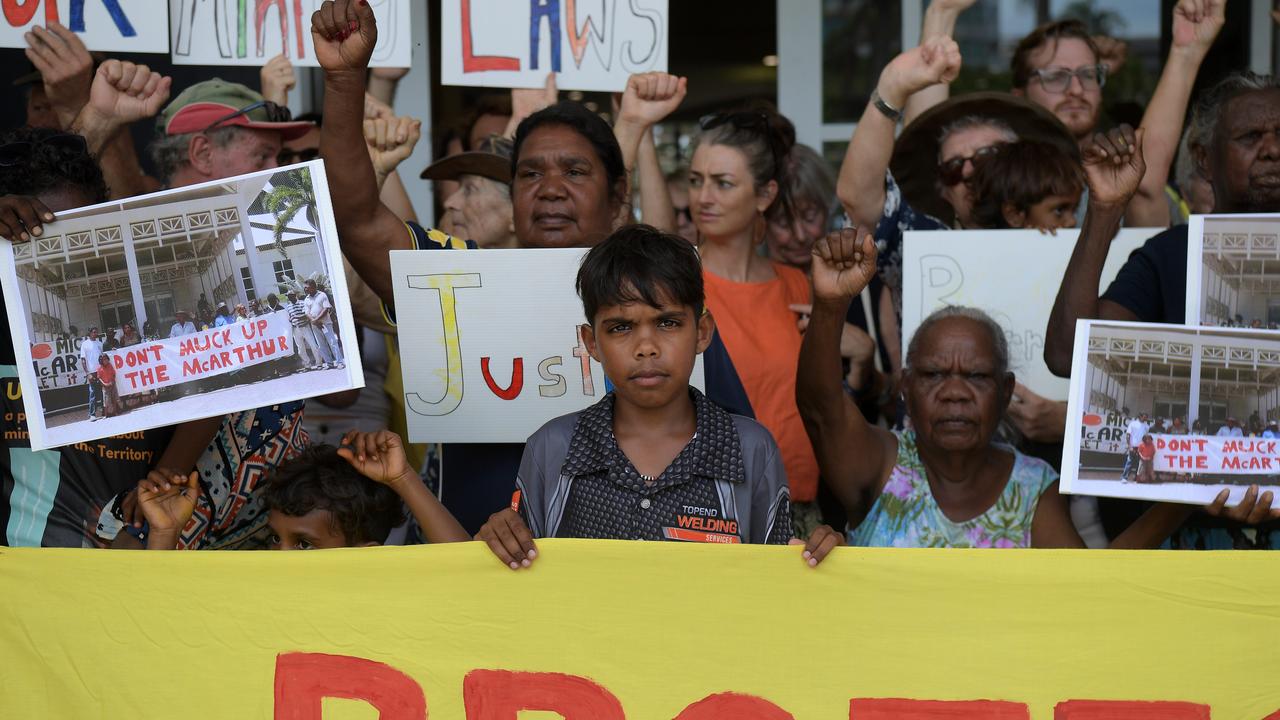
[
  {"x": 16, "y": 153},
  {"x": 275, "y": 113},
  {"x": 952, "y": 171},
  {"x": 1057, "y": 80},
  {"x": 289, "y": 157}
]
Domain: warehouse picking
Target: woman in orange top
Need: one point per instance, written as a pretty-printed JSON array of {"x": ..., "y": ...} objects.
[{"x": 736, "y": 183}]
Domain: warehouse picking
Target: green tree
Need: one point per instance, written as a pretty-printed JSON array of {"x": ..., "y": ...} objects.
[{"x": 291, "y": 193}]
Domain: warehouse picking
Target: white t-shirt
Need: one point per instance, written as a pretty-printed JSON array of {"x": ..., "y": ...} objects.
[
  {"x": 90, "y": 351},
  {"x": 1137, "y": 429},
  {"x": 180, "y": 329},
  {"x": 317, "y": 306},
  {"x": 1228, "y": 431}
]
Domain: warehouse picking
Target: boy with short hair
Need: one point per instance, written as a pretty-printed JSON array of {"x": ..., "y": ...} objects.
[
  {"x": 327, "y": 497},
  {"x": 654, "y": 459},
  {"x": 1027, "y": 184}
]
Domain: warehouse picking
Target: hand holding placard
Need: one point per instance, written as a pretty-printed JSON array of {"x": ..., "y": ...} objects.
[
  {"x": 277, "y": 78},
  {"x": 21, "y": 217},
  {"x": 65, "y": 67}
]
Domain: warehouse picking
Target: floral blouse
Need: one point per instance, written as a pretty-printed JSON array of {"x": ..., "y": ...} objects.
[{"x": 906, "y": 515}]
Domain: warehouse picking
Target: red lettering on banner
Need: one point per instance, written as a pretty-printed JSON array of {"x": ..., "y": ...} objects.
[
  {"x": 190, "y": 367},
  {"x": 512, "y": 391},
  {"x": 303, "y": 680},
  {"x": 480, "y": 63},
  {"x": 502, "y": 694},
  {"x": 1129, "y": 710},
  {"x": 900, "y": 709},
  {"x": 20, "y": 12},
  {"x": 733, "y": 705}
]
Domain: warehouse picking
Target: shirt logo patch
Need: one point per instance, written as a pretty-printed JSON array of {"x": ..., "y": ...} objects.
[{"x": 683, "y": 535}]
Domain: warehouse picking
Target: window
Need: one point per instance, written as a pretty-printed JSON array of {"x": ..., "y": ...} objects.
[
  {"x": 246, "y": 278},
  {"x": 113, "y": 315},
  {"x": 283, "y": 270},
  {"x": 160, "y": 307},
  {"x": 859, "y": 37}
]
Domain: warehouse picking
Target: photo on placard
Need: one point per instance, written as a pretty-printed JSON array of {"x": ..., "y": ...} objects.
[
  {"x": 1233, "y": 271},
  {"x": 1173, "y": 413},
  {"x": 185, "y": 304}
]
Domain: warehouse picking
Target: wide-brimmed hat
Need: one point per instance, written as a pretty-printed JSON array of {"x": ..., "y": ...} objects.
[
  {"x": 491, "y": 160},
  {"x": 915, "y": 155},
  {"x": 218, "y": 103}
]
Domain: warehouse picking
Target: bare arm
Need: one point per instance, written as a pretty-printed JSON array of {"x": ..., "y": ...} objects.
[
  {"x": 648, "y": 99},
  {"x": 853, "y": 456},
  {"x": 391, "y": 141},
  {"x": 367, "y": 229},
  {"x": 383, "y": 82},
  {"x": 1196, "y": 24},
  {"x": 1113, "y": 168},
  {"x": 1052, "y": 527},
  {"x": 655, "y": 202},
  {"x": 939, "y": 21},
  {"x": 861, "y": 183}
]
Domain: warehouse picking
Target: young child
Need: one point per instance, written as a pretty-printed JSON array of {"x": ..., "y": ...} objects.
[
  {"x": 351, "y": 496},
  {"x": 1147, "y": 460},
  {"x": 110, "y": 392},
  {"x": 654, "y": 459},
  {"x": 1027, "y": 184}
]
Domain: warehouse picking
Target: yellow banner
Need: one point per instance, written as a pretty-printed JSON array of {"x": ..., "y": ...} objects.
[{"x": 602, "y": 630}]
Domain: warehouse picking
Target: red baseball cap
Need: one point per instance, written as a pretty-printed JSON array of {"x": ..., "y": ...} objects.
[{"x": 218, "y": 103}]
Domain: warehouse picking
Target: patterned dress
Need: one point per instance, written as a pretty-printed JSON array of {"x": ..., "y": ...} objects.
[{"x": 906, "y": 515}]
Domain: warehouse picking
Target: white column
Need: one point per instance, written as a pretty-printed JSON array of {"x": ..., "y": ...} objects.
[
  {"x": 413, "y": 98},
  {"x": 131, "y": 263},
  {"x": 800, "y": 67},
  {"x": 262, "y": 282},
  {"x": 1193, "y": 403}
]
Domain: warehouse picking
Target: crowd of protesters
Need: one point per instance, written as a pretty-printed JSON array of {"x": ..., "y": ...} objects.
[{"x": 819, "y": 424}]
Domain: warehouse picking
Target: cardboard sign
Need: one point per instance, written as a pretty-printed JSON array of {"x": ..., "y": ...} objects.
[
  {"x": 1171, "y": 371},
  {"x": 1013, "y": 275},
  {"x": 220, "y": 32},
  {"x": 589, "y": 44},
  {"x": 140, "y": 26},
  {"x": 490, "y": 343},
  {"x": 206, "y": 354},
  {"x": 146, "y": 260},
  {"x": 1045, "y": 635},
  {"x": 1233, "y": 270}
]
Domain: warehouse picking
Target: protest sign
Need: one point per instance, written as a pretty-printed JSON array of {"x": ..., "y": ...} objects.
[
  {"x": 1013, "y": 275},
  {"x": 158, "y": 309},
  {"x": 1045, "y": 635},
  {"x": 1233, "y": 270},
  {"x": 491, "y": 347},
  {"x": 589, "y": 44},
  {"x": 218, "y": 32},
  {"x": 1185, "y": 389},
  {"x": 108, "y": 25}
]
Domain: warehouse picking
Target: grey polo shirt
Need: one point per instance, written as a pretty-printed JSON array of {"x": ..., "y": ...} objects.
[{"x": 726, "y": 486}]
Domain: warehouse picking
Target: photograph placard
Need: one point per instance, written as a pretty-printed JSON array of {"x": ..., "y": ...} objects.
[
  {"x": 1172, "y": 412},
  {"x": 491, "y": 350},
  {"x": 593, "y": 46},
  {"x": 1233, "y": 271},
  {"x": 184, "y": 304}
]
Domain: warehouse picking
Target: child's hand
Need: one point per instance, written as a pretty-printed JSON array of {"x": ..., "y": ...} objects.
[
  {"x": 168, "y": 503},
  {"x": 378, "y": 456},
  {"x": 820, "y": 543},
  {"x": 509, "y": 538}
]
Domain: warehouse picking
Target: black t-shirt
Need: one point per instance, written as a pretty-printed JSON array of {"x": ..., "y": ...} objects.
[{"x": 1153, "y": 282}]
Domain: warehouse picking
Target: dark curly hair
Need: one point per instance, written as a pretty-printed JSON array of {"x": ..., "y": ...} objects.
[
  {"x": 319, "y": 479},
  {"x": 53, "y": 160}
]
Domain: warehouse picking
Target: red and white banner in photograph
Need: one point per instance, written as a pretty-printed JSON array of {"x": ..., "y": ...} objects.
[
  {"x": 206, "y": 354},
  {"x": 1194, "y": 454}
]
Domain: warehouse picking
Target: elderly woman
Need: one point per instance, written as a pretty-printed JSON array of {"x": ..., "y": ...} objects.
[
  {"x": 943, "y": 483},
  {"x": 480, "y": 209}
]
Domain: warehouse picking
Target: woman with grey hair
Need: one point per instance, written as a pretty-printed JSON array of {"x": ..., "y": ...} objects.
[{"x": 944, "y": 481}]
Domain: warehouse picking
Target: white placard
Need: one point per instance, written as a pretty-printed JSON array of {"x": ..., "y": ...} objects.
[
  {"x": 1233, "y": 270},
  {"x": 1153, "y": 368},
  {"x": 489, "y": 343},
  {"x": 143, "y": 260},
  {"x": 220, "y": 32},
  {"x": 591, "y": 45},
  {"x": 140, "y": 26},
  {"x": 1013, "y": 275}
]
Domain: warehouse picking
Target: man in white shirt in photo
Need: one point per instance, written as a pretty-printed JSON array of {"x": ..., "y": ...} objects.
[
  {"x": 318, "y": 312},
  {"x": 1138, "y": 427},
  {"x": 182, "y": 325},
  {"x": 1231, "y": 429},
  {"x": 304, "y": 340},
  {"x": 90, "y": 351}
]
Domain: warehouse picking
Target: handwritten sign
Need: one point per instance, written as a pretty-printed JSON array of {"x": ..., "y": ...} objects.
[
  {"x": 221, "y": 32},
  {"x": 491, "y": 349},
  {"x": 1045, "y": 635},
  {"x": 108, "y": 25},
  {"x": 590, "y": 44},
  {"x": 1232, "y": 272},
  {"x": 173, "y": 361},
  {"x": 1157, "y": 369},
  {"x": 1013, "y": 275},
  {"x": 57, "y": 363}
]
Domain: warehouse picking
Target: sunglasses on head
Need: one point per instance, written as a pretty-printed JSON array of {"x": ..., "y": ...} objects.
[
  {"x": 275, "y": 113},
  {"x": 951, "y": 172},
  {"x": 741, "y": 120},
  {"x": 15, "y": 153}
]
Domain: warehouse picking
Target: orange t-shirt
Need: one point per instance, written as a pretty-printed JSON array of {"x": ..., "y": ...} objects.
[{"x": 760, "y": 333}]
